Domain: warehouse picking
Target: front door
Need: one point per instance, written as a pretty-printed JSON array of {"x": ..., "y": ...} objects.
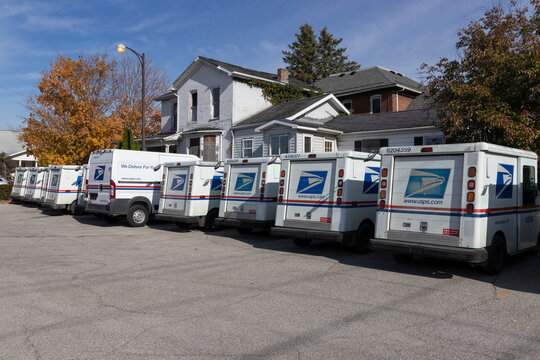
[{"x": 209, "y": 148}]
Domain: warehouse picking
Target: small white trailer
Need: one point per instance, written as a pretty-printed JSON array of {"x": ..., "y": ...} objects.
[
  {"x": 62, "y": 187},
  {"x": 35, "y": 184},
  {"x": 44, "y": 185},
  {"x": 249, "y": 193},
  {"x": 329, "y": 196},
  {"x": 19, "y": 183},
  {"x": 470, "y": 202},
  {"x": 190, "y": 193},
  {"x": 124, "y": 183}
]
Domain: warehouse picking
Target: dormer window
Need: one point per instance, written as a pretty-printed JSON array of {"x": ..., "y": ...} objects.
[
  {"x": 375, "y": 104},
  {"x": 347, "y": 104},
  {"x": 194, "y": 106}
]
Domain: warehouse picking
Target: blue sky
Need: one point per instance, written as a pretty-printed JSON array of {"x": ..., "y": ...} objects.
[{"x": 399, "y": 35}]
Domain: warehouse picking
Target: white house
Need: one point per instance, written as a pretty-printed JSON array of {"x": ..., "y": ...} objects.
[
  {"x": 14, "y": 149},
  {"x": 205, "y": 101}
]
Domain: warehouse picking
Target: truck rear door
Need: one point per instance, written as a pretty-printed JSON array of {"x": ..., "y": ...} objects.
[
  {"x": 310, "y": 191},
  {"x": 427, "y": 194},
  {"x": 244, "y": 192},
  {"x": 99, "y": 182},
  {"x": 54, "y": 185},
  {"x": 175, "y": 190}
]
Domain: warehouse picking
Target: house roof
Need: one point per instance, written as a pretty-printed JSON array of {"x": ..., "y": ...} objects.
[
  {"x": 9, "y": 142},
  {"x": 384, "y": 121},
  {"x": 367, "y": 79},
  {"x": 284, "y": 111}
]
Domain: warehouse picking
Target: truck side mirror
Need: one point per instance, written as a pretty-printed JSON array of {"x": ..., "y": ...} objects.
[
  {"x": 272, "y": 160},
  {"x": 157, "y": 167},
  {"x": 218, "y": 164},
  {"x": 371, "y": 155}
]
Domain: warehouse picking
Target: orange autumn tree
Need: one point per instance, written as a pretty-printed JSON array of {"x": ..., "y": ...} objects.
[{"x": 71, "y": 115}]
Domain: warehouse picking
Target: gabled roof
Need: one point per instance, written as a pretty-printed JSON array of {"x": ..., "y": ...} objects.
[
  {"x": 399, "y": 120},
  {"x": 231, "y": 70},
  {"x": 367, "y": 79},
  {"x": 291, "y": 110}
]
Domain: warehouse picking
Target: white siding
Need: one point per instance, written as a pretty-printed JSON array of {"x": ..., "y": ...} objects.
[
  {"x": 166, "y": 118},
  {"x": 247, "y": 134},
  {"x": 248, "y": 101},
  {"x": 395, "y": 138},
  {"x": 324, "y": 112}
]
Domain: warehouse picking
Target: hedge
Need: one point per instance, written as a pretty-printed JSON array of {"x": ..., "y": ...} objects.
[{"x": 5, "y": 191}]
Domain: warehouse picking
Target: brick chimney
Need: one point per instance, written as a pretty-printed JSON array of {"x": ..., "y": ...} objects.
[{"x": 283, "y": 75}]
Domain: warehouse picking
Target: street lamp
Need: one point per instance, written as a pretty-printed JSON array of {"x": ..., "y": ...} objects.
[{"x": 121, "y": 49}]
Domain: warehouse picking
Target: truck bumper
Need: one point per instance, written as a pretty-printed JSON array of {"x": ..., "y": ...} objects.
[
  {"x": 473, "y": 256},
  {"x": 244, "y": 223},
  {"x": 54, "y": 206},
  {"x": 178, "y": 218},
  {"x": 299, "y": 233},
  {"x": 115, "y": 207}
]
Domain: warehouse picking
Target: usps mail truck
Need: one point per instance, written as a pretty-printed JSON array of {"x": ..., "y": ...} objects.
[
  {"x": 190, "y": 193},
  {"x": 124, "y": 183},
  {"x": 329, "y": 196},
  {"x": 470, "y": 202},
  {"x": 82, "y": 191},
  {"x": 249, "y": 193},
  {"x": 19, "y": 185},
  {"x": 44, "y": 185},
  {"x": 35, "y": 184},
  {"x": 62, "y": 188}
]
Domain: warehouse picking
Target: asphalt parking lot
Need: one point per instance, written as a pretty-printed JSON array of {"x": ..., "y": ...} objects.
[{"x": 79, "y": 288}]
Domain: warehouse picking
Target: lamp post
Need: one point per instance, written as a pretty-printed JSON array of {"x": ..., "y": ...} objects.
[{"x": 121, "y": 49}]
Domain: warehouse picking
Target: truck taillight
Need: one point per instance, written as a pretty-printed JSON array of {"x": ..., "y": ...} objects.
[
  {"x": 224, "y": 175},
  {"x": 471, "y": 184},
  {"x": 281, "y": 182},
  {"x": 470, "y": 208},
  {"x": 280, "y": 199},
  {"x": 339, "y": 201},
  {"x": 472, "y": 171},
  {"x": 470, "y": 196},
  {"x": 262, "y": 189},
  {"x": 383, "y": 194},
  {"x": 340, "y": 183},
  {"x": 163, "y": 176},
  {"x": 191, "y": 176},
  {"x": 280, "y": 191},
  {"x": 427, "y": 149},
  {"x": 282, "y": 173},
  {"x": 312, "y": 156},
  {"x": 113, "y": 190},
  {"x": 384, "y": 172},
  {"x": 340, "y": 192},
  {"x": 382, "y": 204},
  {"x": 341, "y": 172},
  {"x": 86, "y": 192},
  {"x": 383, "y": 184},
  {"x": 263, "y": 182},
  {"x": 264, "y": 174}
]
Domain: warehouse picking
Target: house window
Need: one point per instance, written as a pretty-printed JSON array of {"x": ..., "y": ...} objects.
[
  {"x": 247, "y": 148},
  {"x": 279, "y": 144},
  {"x": 347, "y": 104},
  {"x": 328, "y": 145},
  {"x": 370, "y": 145},
  {"x": 194, "y": 106},
  {"x": 376, "y": 104},
  {"x": 195, "y": 146},
  {"x": 418, "y": 140},
  {"x": 358, "y": 145},
  {"x": 215, "y": 103},
  {"x": 433, "y": 140},
  {"x": 174, "y": 117},
  {"x": 307, "y": 143}
]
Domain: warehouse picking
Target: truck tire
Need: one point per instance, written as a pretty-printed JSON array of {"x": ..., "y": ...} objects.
[
  {"x": 210, "y": 220},
  {"x": 403, "y": 258},
  {"x": 137, "y": 216},
  {"x": 362, "y": 238},
  {"x": 72, "y": 207},
  {"x": 496, "y": 256},
  {"x": 302, "y": 242},
  {"x": 244, "y": 230}
]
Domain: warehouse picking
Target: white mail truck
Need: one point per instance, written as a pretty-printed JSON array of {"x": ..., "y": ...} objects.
[
  {"x": 35, "y": 184},
  {"x": 190, "y": 193},
  {"x": 62, "y": 187},
  {"x": 124, "y": 183},
  {"x": 471, "y": 202},
  {"x": 82, "y": 191},
  {"x": 329, "y": 196},
  {"x": 19, "y": 183},
  {"x": 249, "y": 193},
  {"x": 44, "y": 185}
]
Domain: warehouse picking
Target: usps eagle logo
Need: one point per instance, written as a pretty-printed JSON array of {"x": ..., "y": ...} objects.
[
  {"x": 178, "y": 182},
  {"x": 244, "y": 182},
  {"x": 505, "y": 178},
  {"x": 99, "y": 173},
  {"x": 311, "y": 182},
  {"x": 371, "y": 180},
  {"x": 217, "y": 181},
  {"x": 427, "y": 183}
]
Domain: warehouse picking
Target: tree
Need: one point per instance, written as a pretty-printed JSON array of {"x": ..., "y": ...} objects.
[
  {"x": 491, "y": 92},
  {"x": 331, "y": 58},
  {"x": 71, "y": 115},
  {"x": 127, "y": 141},
  {"x": 311, "y": 59}
]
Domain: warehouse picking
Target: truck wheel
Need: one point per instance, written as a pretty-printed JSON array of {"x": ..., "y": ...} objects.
[
  {"x": 137, "y": 216},
  {"x": 362, "y": 238},
  {"x": 403, "y": 258},
  {"x": 496, "y": 256},
  {"x": 302, "y": 242},
  {"x": 210, "y": 220},
  {"x": 243, "y": 230},
  {"x": 72, "y": 207}
]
